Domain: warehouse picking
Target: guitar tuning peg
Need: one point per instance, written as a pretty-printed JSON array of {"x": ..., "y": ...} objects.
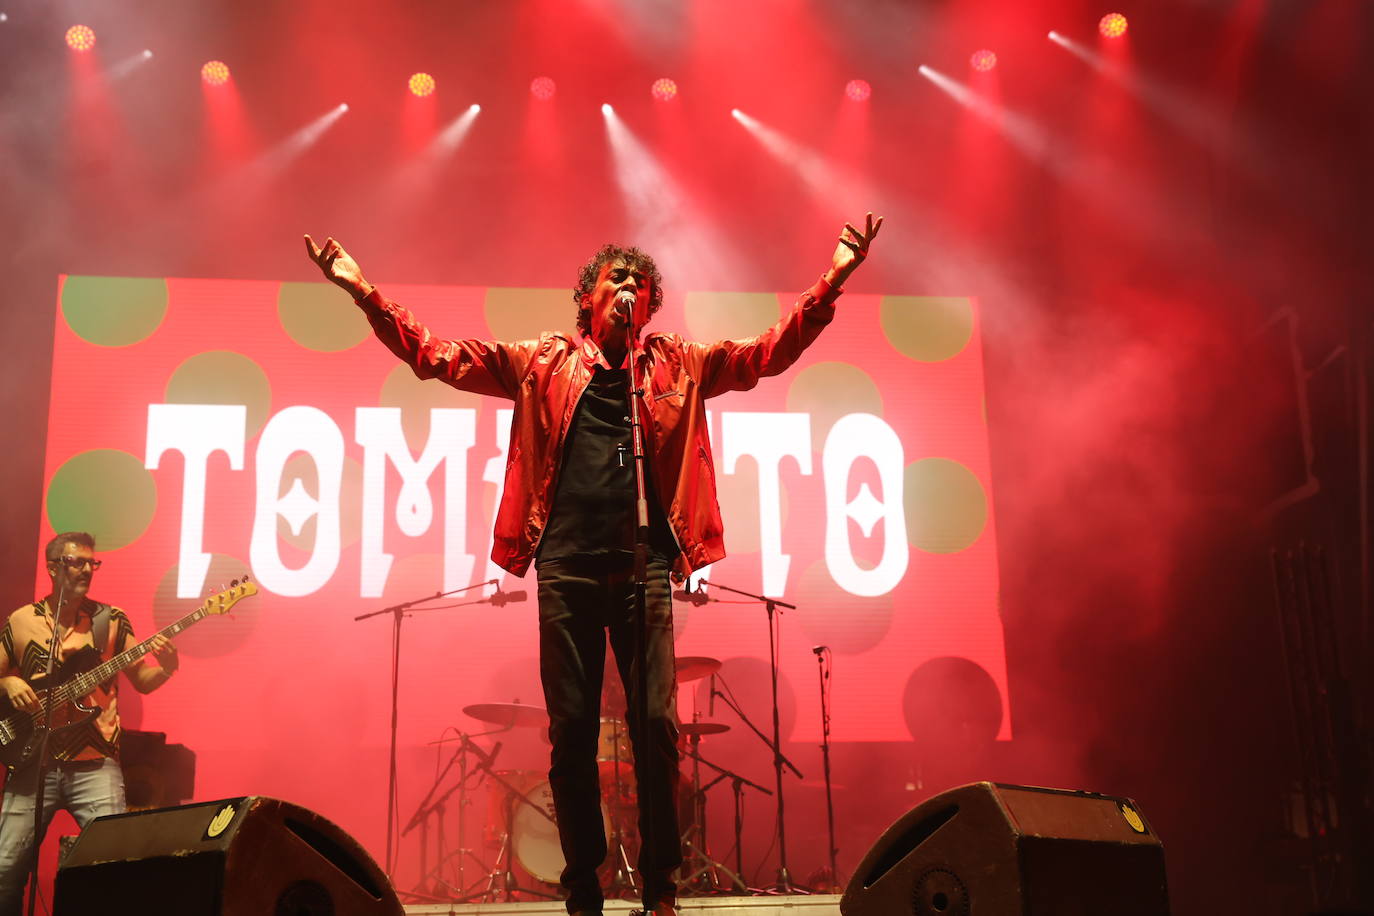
[{"x": 233, "y": 583}]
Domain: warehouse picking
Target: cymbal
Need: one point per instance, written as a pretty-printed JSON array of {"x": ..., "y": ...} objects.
[
  {"x": 703, "y": 728},
  {"x": 510, "y": 715},
  {"x": 692, "y": 667}
]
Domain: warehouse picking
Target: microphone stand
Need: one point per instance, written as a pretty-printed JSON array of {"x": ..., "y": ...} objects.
[
  {"x": 634, "y": 390},
  {"x": 398, "y": 611},
  {"x": 784, "y": 883},
  {"x": 48, "y": 694},
  {"x": 823, "y": 669}
]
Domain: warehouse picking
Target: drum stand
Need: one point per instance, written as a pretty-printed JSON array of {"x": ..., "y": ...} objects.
[
  {"x": 438, "y": 806},
  {"x": 702, "y": 873},
  {"x": 623, "y": 881},
  {"x": 501, "y": 883}
]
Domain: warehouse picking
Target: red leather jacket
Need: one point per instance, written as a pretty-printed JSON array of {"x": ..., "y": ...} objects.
[{"x": 546, "y": 377}]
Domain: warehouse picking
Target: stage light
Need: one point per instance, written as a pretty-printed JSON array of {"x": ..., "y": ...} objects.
[
  {"x": 543, "y": 88},
  {"x": 606, "y": 108},
  {"x": 343, "y": 106},
  {"x": 147, "y": 55},
  {"x": 983, "y": 60},
  {"x": 80, "y": 38},
  {"x": 736, "y": 113},
  {"x": 474, "y": 108},
  {"x": 215, "y": 73},
  {"x": 664, "y": 89},
  {"x": 421, "y": 84},
  {"x": 1112, "y": 25},
  {"x": 4, "y": 17},
  {"x": 858, "y": 90}
]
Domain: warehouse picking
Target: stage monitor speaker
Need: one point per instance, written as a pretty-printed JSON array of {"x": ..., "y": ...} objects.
[
  {"x": 988, "y": 849},
  {"x": 251, "y": 856}
]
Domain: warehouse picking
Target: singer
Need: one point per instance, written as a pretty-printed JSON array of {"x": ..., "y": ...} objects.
[{"x": 568, "y": 504}]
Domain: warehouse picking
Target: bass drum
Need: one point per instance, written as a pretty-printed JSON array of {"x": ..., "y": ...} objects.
[{"x": 534, "y": 838}]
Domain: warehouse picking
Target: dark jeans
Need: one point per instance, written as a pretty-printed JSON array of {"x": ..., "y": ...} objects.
[{"x": 579, "y": 601}]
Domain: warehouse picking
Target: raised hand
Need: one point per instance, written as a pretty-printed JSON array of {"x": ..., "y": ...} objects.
[
  {"x": 338, "y": 266},
  {"x": 851, "y": 250}
]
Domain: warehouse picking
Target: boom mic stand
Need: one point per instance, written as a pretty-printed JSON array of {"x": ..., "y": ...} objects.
[
  {"x": 784, "y": 883},
  {"x": 42, "y": 765},
  {"x": 823, "y": 666},
  {"x": 397, "y": 612}
]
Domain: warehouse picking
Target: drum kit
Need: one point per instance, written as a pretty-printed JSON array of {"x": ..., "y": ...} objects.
[{"x": 520, "y": 834}]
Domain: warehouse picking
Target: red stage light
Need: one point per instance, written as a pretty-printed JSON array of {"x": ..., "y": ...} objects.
[
  {"x": 543, "y": 88},
  {"x": 80, "y": 38},
  {"x": 858, "y": 90},
  {"x": 1112, "y": 25},
  {"x": 665, "y": 90},
  {"x": 983, "y": 60},
  {"x": 421, "y": 84},
  {"x": 215, "y": 73}
]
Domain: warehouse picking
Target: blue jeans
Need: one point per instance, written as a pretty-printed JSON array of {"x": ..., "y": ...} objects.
[{"x": 87, "y": 789}]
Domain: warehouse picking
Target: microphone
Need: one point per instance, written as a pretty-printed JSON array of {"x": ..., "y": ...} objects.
[
  {"x": 500, "y": 598},
  {"x": 819, "y": 649},
  {"x": 711, "y": 709},
  {"x": 625, "y": 301},
  {"x": 697, "y": 598}
]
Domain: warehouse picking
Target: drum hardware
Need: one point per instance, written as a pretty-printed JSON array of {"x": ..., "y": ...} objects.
[
  {"x": 701, "y": 873},
  {"x": 509, "y": 715},
  {"x": 773, "y": 608},
  {"x": 501, "y": 883},
  {"x": 440, "y": 888},
  {"x": 695, "y": 667}
]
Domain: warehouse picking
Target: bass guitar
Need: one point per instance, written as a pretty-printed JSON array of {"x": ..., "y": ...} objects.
[{"x": 21, "y": 731}]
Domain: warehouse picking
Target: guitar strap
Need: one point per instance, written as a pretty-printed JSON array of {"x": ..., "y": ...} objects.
[{"x": 100, "y": 628}]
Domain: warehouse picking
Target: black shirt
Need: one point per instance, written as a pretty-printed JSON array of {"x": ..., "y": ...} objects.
[{"x": 593, "y": 505}]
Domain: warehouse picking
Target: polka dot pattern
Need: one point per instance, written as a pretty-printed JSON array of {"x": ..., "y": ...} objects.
[
  {"x": 319, "y": 316},
  {"x": 223, "y": 377},
  {"x": 524, "y": 314},
  {"x": 927, "y": 328},
  {"x": 828, "y": 391},
  {"x": 946, "y": 506},
  {"x": 106, "y": 492},
  {"x": 725, "y": 316},
  {"x": 114, "y": 311},
  {"x": 416, "y": 397},
  {"x": 216, "y": 635}
]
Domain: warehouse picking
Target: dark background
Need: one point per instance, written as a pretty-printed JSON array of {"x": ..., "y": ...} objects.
[{"x": 1173, "y": 275}]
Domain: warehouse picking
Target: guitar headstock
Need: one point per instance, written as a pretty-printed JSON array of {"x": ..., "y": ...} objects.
[{"x": 220, "y": 602}]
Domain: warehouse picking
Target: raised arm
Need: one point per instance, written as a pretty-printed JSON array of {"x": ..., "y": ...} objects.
[
  {"x": 735, "y": 365},
  {"x": 484, "y": 367}
]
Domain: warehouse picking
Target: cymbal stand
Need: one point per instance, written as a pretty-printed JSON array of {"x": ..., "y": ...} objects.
[
  {"x": 697, "y": 851},
  {"x": 431, "y": 805},
  {"x": 501, "y": 882},
  {"x": 624, "y": 880},
  {"x": 784, "y": 883}
]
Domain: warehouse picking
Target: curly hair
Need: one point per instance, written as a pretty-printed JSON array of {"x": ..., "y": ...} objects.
[{"x": 586, "y": 280}]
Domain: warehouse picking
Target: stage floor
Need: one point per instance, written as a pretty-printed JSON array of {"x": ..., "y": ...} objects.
[{"x": 813, "y": 905}]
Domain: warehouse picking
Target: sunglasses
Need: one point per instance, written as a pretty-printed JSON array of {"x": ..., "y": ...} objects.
[{"x": 79, "y": 562}]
